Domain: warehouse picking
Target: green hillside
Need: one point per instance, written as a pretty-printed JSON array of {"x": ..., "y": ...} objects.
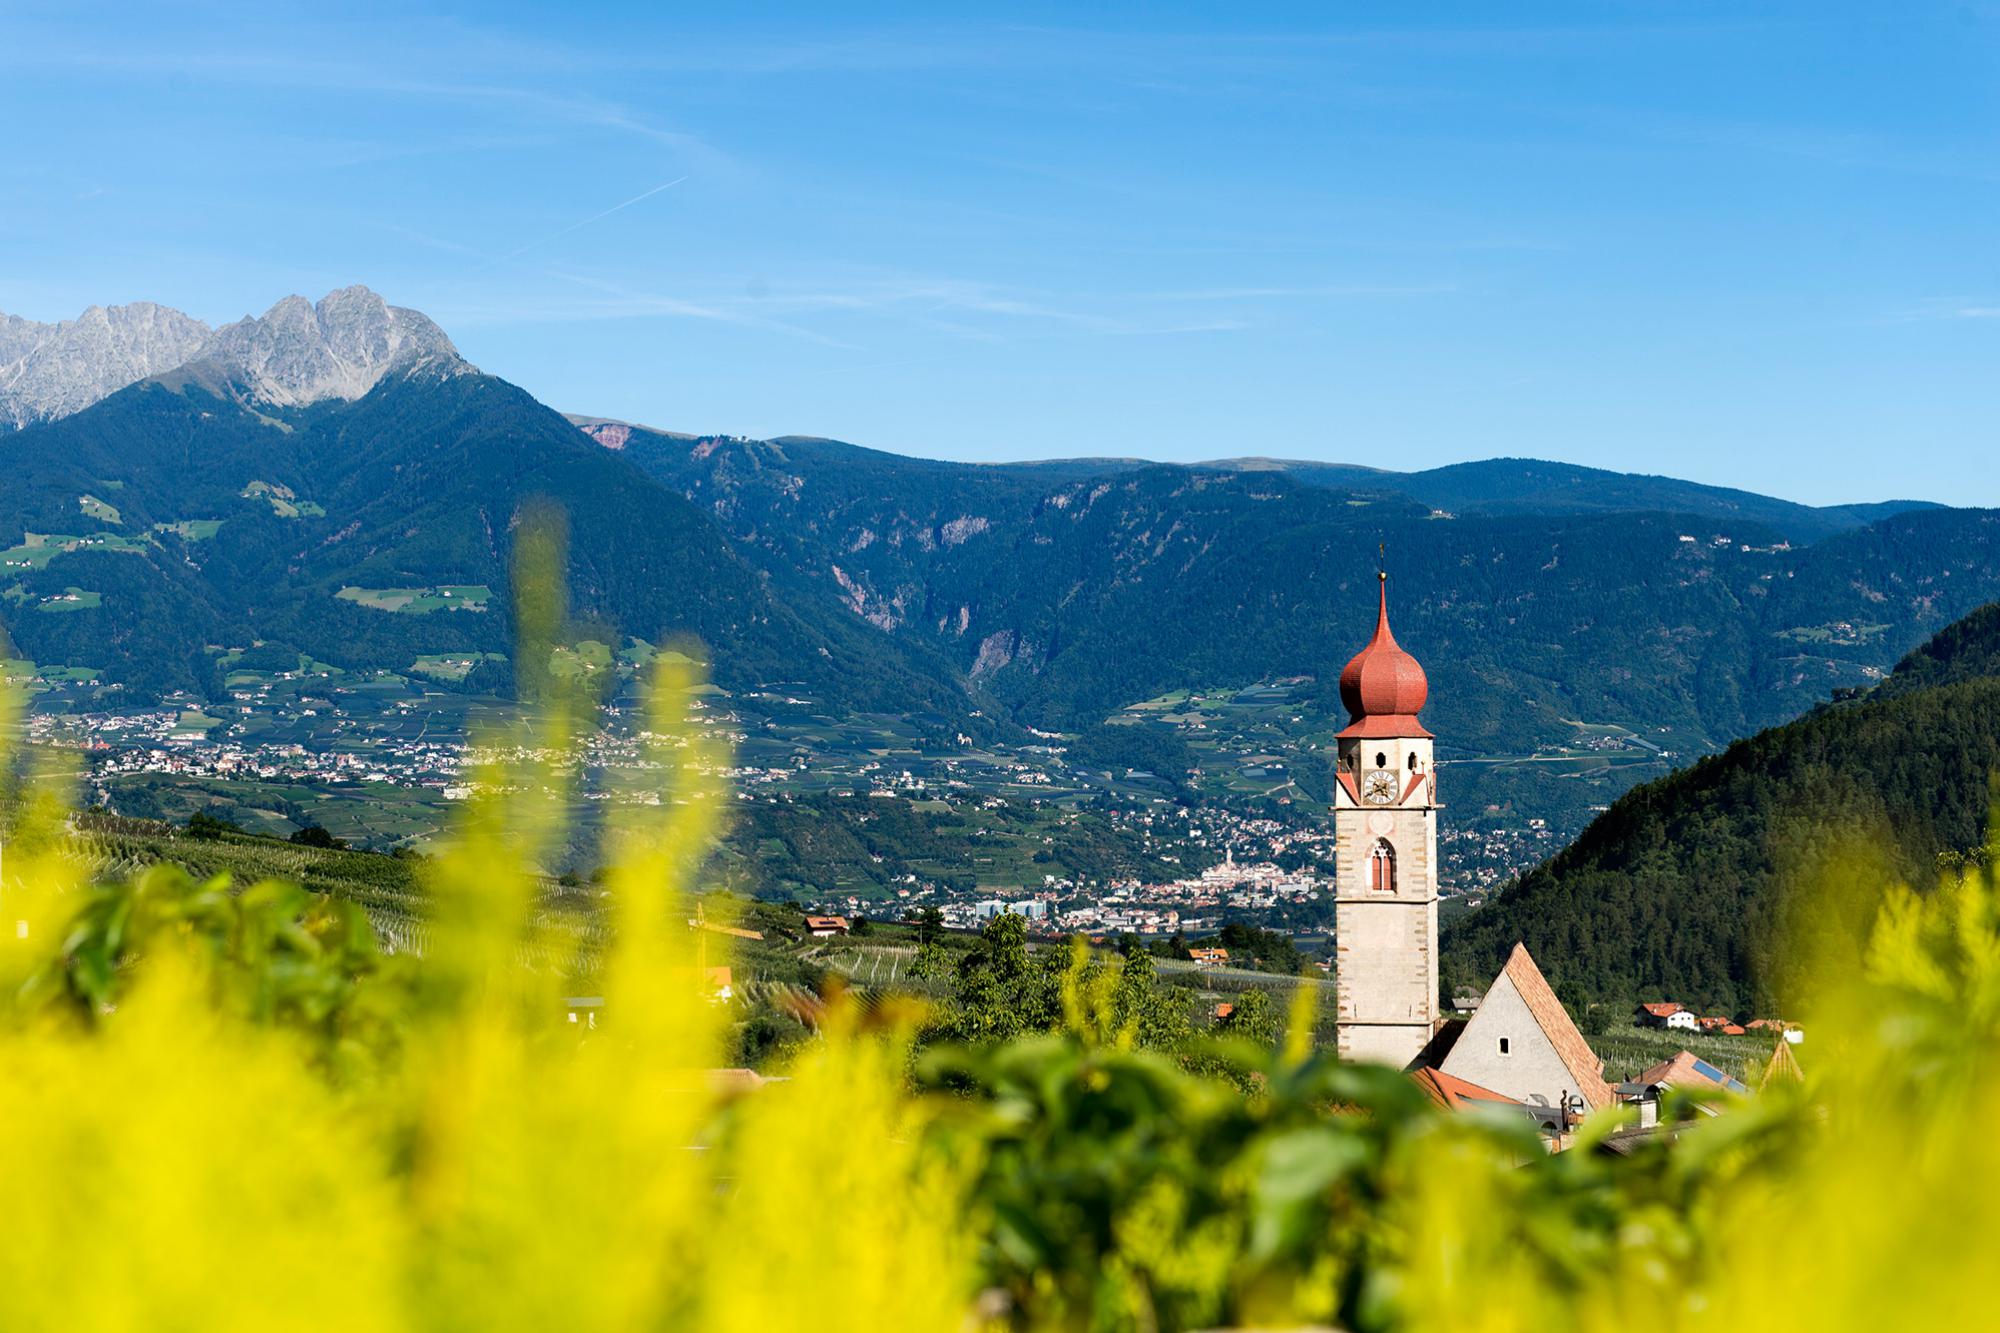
[
  {"x": 349, "y": 530},
  {"x": 1591, "y": 600},
  {"x": 1676, "y": 890}
]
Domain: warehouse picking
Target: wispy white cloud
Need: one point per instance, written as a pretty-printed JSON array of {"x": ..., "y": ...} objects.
[
  {"x": 1304, "y": 292},
  {"x": 1947, "y": 308},
  {"x": 464, "y": 69},
  {"x": 367, "y": 152},
  {"x": 634, "y": 302}
]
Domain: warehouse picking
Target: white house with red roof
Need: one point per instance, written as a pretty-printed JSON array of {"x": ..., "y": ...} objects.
[{"x": 1667, "y": 1014}]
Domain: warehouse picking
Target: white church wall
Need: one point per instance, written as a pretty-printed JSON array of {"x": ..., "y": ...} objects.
[{"x": 1529, "y": 1070}]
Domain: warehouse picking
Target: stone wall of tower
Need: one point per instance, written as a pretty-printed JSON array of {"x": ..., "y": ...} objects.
[{"x": 1385, "y": 946}]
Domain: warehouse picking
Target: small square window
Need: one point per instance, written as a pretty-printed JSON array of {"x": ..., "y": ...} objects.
[{"x": 1503, "y": 1047}]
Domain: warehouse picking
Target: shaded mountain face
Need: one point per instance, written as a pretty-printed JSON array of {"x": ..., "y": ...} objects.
[
  {"x": 204, "y": 520},
  {"x": 1707, "y": 887},
  {"x": 1069, "y": 597},
  {"x": 48, "y": 371}
]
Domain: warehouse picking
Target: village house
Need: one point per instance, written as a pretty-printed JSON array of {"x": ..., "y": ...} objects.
[
  {"x": 1688, "y": 1070},
  {"x": 1667, "y": 1014}
]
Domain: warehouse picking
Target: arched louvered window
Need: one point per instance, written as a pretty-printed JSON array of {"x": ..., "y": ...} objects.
[{"x": 1382, "y": 867}]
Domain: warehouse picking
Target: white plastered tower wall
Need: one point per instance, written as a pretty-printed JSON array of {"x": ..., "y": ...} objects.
[
  {"x": 1385, "y": 838},
  {"x": 1385, "y": 960}
]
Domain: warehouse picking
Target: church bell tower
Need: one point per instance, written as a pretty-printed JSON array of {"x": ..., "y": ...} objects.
[{"x": 1385, "y": 838}]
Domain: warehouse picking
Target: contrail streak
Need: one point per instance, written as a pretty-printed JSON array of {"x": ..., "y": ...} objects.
[{"x": 594, "y": 217}]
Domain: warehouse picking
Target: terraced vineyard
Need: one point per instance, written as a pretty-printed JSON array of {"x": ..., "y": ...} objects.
[{"x": 385, "y": 887}]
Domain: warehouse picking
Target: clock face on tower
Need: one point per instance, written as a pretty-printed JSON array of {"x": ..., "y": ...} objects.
[{"x": 1379, "y": 787}]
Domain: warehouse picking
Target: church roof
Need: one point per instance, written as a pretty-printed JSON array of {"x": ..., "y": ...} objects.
[
  {"x": 1383, "y": 687},
  {"x": 1454, "y": 1093},
  {"x": 1557, "y": 1026}
]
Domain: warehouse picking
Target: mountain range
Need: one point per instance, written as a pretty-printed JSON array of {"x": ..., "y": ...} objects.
[
  {"x": 52, "y": 370},
  {"x": 1067, "y": 593},
  {"x": 333, "y": 478},
  {"x": 310, "y": 472}
]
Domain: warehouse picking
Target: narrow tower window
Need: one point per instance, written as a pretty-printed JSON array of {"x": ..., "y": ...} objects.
[{"x": 1382, "y": 867}]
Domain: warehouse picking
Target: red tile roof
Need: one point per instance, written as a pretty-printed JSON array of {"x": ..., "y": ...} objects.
[
  {"x": 1662, "y": 1009},
  {"x": 1556, "y": 1025},
  {"x": 734, "y": 1082},
  {"x": 1454, "y": 1093},
  {"x": 1686, "y": 1071}
]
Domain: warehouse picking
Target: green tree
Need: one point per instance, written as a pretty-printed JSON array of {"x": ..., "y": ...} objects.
[
  {"x": 208, "y": 827},
  {"x": 929, "y": 922},
  {"x": 1002, "y": 990},
  {"x": 1251, "y": 1018},
  {"x": 930, "y": 964}
]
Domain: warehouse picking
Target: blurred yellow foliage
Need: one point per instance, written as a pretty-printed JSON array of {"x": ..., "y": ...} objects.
[{"x": 179, "y": 1163}]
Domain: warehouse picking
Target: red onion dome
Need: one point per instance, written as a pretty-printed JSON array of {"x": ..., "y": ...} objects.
[{"x": 1383, "y": 687}]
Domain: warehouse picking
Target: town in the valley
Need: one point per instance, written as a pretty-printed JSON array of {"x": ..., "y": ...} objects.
[{"x": 1359, "y": 884}]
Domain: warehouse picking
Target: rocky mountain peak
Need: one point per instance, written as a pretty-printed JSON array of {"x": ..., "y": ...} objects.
[
  {"x": 299, "y": 352},
  {"x": 51, "y": 370}
]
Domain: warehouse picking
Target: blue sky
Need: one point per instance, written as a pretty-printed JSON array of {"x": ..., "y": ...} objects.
[{"x": 1747, "y": 244}]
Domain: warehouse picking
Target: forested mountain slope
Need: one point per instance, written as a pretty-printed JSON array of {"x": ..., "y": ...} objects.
[
  {"x": 1964, "y": 650},
  {"x": 1069, "y": 596},
  {"x": 1675, "y": 891},
  {"x": 201, "y": 520}
]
